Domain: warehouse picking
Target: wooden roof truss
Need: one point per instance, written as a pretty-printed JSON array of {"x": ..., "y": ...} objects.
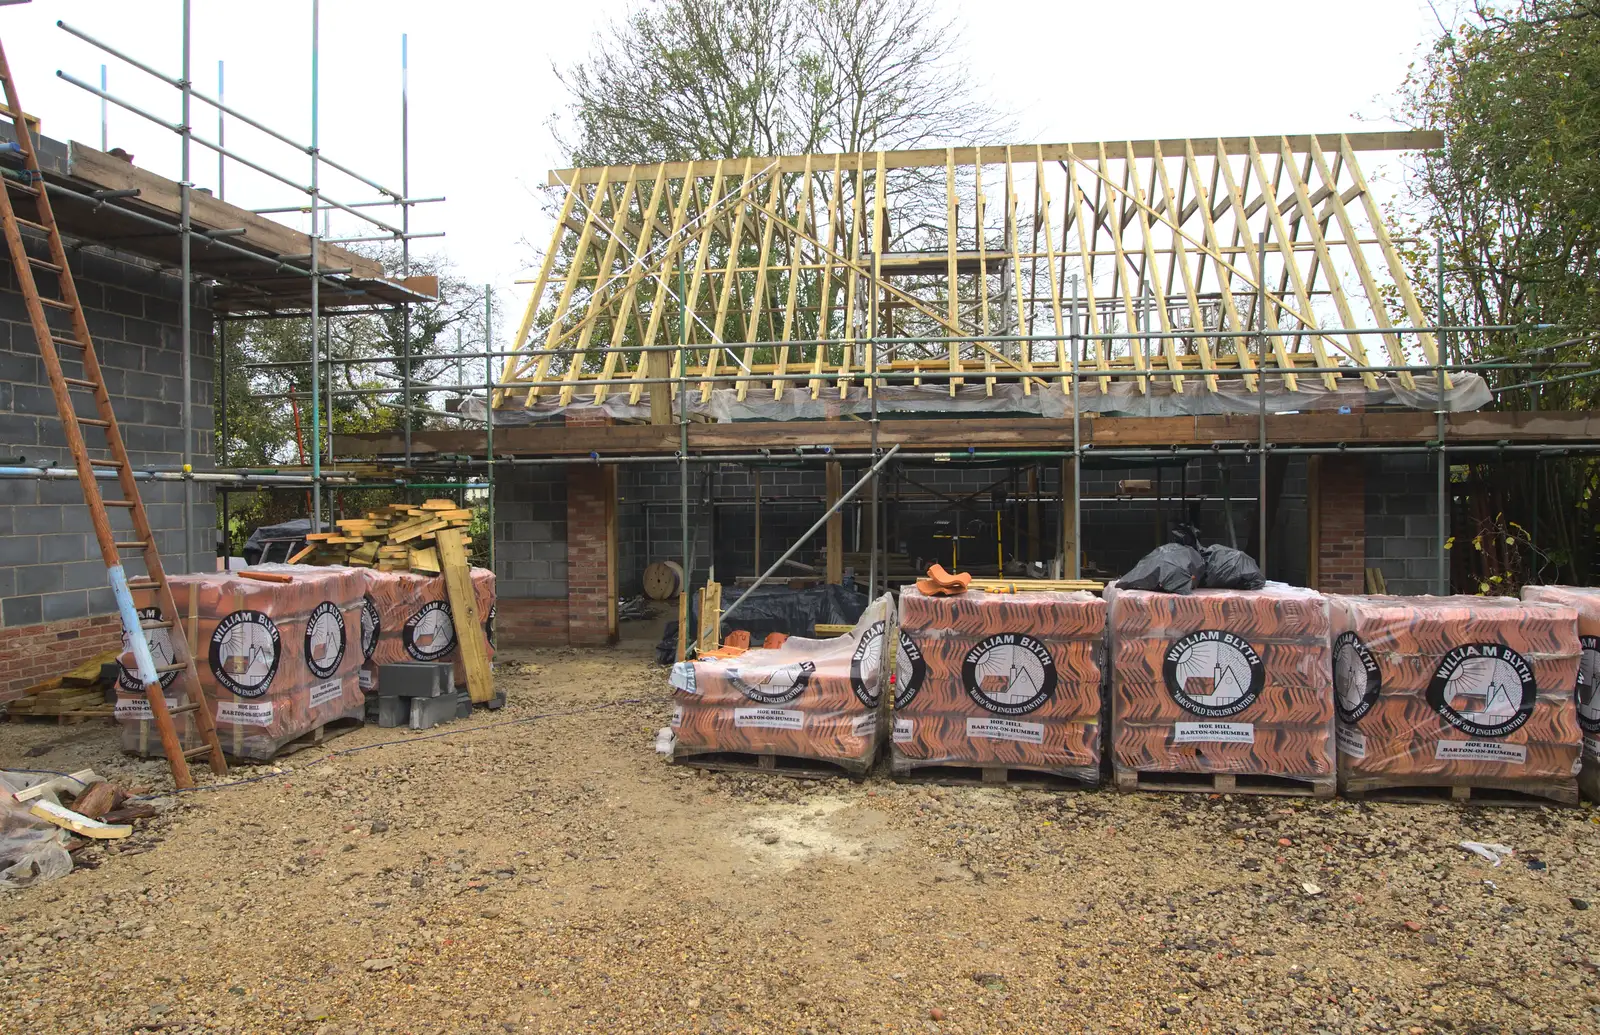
[{"x": 771, "y": 273}]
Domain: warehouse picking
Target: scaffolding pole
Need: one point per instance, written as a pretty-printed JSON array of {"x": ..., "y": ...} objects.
[
  {"x": 1442, "y": 461},
  {"x": 186, "y": 317},
  {"x": 845, "y": 497},
  {"x": 316, "y": 410}
]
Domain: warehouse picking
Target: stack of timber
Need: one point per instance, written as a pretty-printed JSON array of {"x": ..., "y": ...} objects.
[
  {"x": 1005, "y": 683},
  {"x": 1469, "y": 698},
  {"x": 399, "y": 537},
  {"x": 1222, "y": 690},
  {"x": 1587, "y": 603},
  {"x": 77, "y": 696},
  {"x": 278, "y": 653},
  {"x": 808, "y": 708}
]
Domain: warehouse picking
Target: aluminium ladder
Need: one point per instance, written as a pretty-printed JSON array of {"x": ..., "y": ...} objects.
[{"x": 181, "y": 665}]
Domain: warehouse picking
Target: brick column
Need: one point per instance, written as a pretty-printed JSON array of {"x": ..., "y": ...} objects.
[
  {"x": 588, "y": 560},
  {"x": 589, "y": 488},
  {"x": 1340, "y": 538}
]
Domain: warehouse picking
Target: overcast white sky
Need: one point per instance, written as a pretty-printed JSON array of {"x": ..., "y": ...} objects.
[{"x": 482, "y": 90}]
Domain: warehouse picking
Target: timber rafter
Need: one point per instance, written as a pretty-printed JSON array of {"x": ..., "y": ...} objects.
[{"x": 762, "y": 266}]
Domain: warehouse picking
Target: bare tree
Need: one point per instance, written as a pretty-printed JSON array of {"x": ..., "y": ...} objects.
[{"x": 680, "y": 79}]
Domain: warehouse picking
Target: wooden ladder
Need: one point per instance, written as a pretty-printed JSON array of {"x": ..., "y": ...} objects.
[{"x": 179, "y": 670}]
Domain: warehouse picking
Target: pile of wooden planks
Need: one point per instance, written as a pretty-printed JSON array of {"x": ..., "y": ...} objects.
[
  {"x": 400, "y": 537},
  {"x": 74, "y": 697}
]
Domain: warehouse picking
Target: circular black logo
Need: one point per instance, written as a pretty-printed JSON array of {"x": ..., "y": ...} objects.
[
  {"x": 244, "y": 653},
  {"x": 324, "y": 639},
  {"x": 1356, "y": 680},
  {"x": 1213, "y": 674},
  {"x": 430, "y": 634},
  {"x": 865, "y": 664},
  {"x": 780, "y": 686},
  {"x": 488, "y": 626},
  {"x": 910, "y": 669},
  {"x": 1589, "y": 684},
  {"x": 1009, "y": 674},
  {"x": 160, "y": 641},
  {"x": 1483, "y": 689},
  {"x": 371, "y": 625}
]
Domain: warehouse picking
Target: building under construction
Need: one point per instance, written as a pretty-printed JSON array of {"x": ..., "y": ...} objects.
[{"x": 1019, "y": 360}]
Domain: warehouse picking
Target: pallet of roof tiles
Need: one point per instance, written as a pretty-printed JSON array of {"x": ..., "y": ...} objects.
[
  {"x": 999, "y": 687},
  {"x": 278, "y": 660},
  {"x": 406, "y": 616},
  {"x": 1222, "y": 691},
  {"x": 1464, "y": 698},
  {"x": 398, "y": 537},
  {"x": 1585, "y": 601},
  {"x": 808, "y": 708}
]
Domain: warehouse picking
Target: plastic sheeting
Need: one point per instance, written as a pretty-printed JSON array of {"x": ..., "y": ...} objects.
[
  {"x": 31, "y": 850},
  {"x": 1124, "y": 397},
  {"x": 1442, "y": 690},
  {"x": 1222, "y": 681},
  {"x": 773, "y": 609},
  {"x": 295, "y": 528},
  {"x": 1000, "y": 680},
  {"x": 1169, "y": 568},
  {"x": 812, "y": 699},
  {"x": 275, "y": 660}
]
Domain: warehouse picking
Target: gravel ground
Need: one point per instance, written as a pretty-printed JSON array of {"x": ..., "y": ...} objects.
[{"x": 553, "y": 875}]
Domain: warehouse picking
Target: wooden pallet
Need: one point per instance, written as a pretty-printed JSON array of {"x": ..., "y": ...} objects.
[
  {"x": 310, "y": 739},
  {"x": 794, "y": 767},
  {"x": 63, "y": 704},
  {"x": 945, "y": 774},
  {"x": 1225, "y": 783},
  {"x": 1419, "y": 790},
  {"x": 65, "y": 718}
]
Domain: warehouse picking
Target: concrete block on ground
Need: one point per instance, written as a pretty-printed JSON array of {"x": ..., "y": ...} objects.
[
  {"x": 390, "y": 712},
  {"x": 428, "y": 712},
  {"x": 463, "y": 705},
  {"x": 415, "y": 679}
]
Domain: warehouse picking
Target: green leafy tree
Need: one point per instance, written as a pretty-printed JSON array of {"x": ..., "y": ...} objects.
[
  {"x": 1514, "y": 197},
  {"x": 268, "y": 408}
]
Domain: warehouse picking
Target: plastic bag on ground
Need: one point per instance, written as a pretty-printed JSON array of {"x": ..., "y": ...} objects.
[
  {"x": 31, "y": 850},
  {"x": 1171, "y": 568},
  {"x": 1227, "y": 568}
]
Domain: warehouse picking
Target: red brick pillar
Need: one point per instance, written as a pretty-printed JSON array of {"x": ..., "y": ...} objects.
[
  {"x": 1339, "y": 538},
  {"x": 589, "y": 556}
]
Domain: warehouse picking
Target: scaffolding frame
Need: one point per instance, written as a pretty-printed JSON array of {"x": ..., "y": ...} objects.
[
  {"x": 632, "y": 245},
  {"x": 320, "y": 314}
]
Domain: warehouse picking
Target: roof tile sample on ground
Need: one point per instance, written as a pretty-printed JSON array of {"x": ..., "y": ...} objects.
[
  {"x": 1441, "y": 690},
  {"x": 276, "y": 660},
  {"x": 813, "y": 699},
  {"x": 1222, "y": 681},
  {"x": 1005, "y": 680}
]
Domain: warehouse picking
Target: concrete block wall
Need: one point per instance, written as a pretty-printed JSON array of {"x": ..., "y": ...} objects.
[
  {"x": 52, "y": 578},
  {"x": 1402, "y": 521},
  {"x": 1376, "y": 511}
]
